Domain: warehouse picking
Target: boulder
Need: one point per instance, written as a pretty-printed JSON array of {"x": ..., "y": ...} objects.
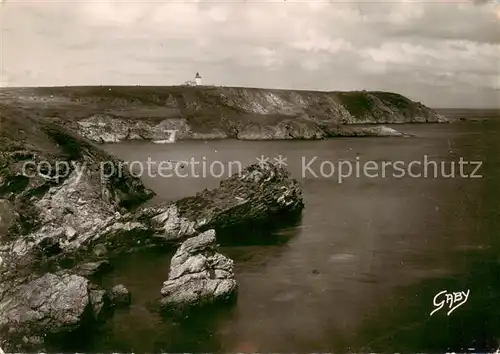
[
  {"x": 120, "y": 295},
  {"x": 199, "y": 276}
]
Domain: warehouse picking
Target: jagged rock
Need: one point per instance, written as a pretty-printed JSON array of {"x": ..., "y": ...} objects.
[
  {"x": 101, "y": 304},
  {"x": 198, "y": 276},
  {"x": 51, "y": 304},
  {"x": 261, "y": 192},
  {"x": 70, "y": 233},
  {"x": 97, "y": 300},
  {"x": 74, "y": 199},
  {"x": 53, "y": 215},
  {"x": 120, "y": 295}
]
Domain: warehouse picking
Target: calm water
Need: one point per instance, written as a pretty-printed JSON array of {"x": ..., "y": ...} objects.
[{"x": 360, "y": 270}]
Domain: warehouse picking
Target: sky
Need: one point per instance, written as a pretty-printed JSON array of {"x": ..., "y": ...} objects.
[{"x": 441, "y": 53}]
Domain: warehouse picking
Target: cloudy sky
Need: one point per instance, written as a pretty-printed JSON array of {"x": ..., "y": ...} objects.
[{"x": 443, "y": 53}]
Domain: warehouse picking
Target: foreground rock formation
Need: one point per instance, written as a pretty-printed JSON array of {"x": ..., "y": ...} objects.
[
  {"x": 114, "y": 114},
  {"x": 53, "y": 196},
  {"x": 62, "y": 221},
  {"x": 198, "y": 276},
  {"x": 53, "y": 203}
]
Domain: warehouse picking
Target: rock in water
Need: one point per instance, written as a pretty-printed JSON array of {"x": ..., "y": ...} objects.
[
  {"x": 101, "y": 304},
  {"x": 119, "y": 295},
  {"x": 260, "y": 193},
  {"x": 198, "y": 276}
]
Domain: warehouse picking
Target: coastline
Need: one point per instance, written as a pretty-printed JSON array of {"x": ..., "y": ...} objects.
[{"x": 105, "y": 114}]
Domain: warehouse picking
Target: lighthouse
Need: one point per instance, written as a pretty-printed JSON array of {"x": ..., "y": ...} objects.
[{"x": 197, "y": 79}]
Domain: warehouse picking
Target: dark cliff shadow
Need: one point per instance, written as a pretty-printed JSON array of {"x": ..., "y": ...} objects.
[
  {"x": 198, "y": 332},
  {"x": 269, "y": 232}
]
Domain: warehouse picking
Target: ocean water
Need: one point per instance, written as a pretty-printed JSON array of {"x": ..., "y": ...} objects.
[{"x": 358, "y": 272}]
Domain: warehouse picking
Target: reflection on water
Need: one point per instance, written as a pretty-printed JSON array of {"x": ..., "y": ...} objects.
[{"x": 358, "y": 272}]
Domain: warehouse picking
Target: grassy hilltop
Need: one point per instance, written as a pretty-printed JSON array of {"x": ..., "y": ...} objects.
[{"x": 214, "y": 112}]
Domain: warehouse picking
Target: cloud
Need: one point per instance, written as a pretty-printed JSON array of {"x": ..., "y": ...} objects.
[{"x": 411, "y": 47}]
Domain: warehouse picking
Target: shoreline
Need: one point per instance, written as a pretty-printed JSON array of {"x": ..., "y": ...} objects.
[{"x": 112, "y": 114}]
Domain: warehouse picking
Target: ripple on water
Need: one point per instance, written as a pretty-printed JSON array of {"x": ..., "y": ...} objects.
[
  {"x": 341, "y": 257},
  {"x": 469, "y": 247},
  {"x": 287, "y": 296}
]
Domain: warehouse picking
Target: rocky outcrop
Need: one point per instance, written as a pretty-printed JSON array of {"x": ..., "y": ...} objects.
[
  {"x": 54, "y": 199},
  {"x": 52, "y": 304},
  {"x": 260, "y": 193},
  {"x": 50, "y": 177},
  {"x": 362, "y": 131},
  {"x": 114, "y": 114},
  {"x": 198, "y": 276},
  {"x": 54, "y": 203}
]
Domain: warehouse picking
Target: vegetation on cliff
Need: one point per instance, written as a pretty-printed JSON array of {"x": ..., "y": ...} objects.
[{"x": 115, "y": 113}]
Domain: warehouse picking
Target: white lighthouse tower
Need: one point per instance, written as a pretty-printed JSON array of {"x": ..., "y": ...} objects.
[{"x": 197, "y": 79}]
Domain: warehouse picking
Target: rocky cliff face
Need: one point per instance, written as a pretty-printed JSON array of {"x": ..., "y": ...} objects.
[
  {"x": 51, "y": 177},
  {"x": 53, "y": 200},
  {"x": 113, "y": 114}
]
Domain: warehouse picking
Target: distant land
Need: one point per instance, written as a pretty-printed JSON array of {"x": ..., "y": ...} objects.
[
  {"x": 470, "y": 113},
  {"x": 118, "y": 113}
]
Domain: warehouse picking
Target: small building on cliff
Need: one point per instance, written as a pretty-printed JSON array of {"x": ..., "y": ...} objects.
[
  {"x": 195, "y": 82},
  {"x": 197, "y": 79}
]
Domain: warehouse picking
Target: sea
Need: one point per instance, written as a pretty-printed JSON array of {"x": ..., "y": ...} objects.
[{"x": 393, "y": 259}]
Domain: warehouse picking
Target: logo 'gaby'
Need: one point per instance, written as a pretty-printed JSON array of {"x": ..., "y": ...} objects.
[{"x": 454, "y": 300}]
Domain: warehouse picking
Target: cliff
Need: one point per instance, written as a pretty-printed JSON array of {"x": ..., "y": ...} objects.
[
  {"x": 53, "y": 199},
  {"x": 116, "y": 113}
]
